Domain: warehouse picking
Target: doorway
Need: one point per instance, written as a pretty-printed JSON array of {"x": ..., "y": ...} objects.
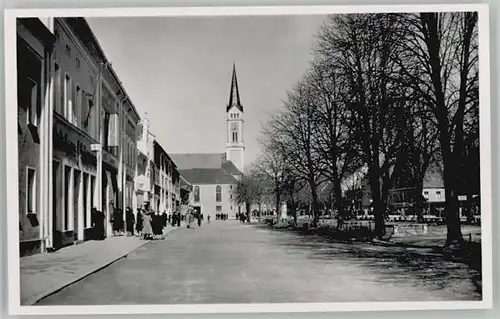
[{"x": 56, "y": 205}]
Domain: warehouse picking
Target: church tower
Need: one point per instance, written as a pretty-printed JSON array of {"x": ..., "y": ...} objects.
[{"x": 235, "y": 146}]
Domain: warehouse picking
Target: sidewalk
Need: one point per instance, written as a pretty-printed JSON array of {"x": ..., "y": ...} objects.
[{"x": 44, "y": 274}]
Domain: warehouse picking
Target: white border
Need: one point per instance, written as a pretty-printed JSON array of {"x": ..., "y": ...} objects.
[{"x": 12, "y": 162}]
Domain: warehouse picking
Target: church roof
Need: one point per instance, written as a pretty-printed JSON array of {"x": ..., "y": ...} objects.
[
  {"x": 229, "y": 166},
  {"x": 197, "y": 176},
  {"x": 234, "y": 94},
  {"x": 198, "y": 160}
]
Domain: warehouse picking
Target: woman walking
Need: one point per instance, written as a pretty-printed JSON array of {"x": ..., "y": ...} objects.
[
  {"x": 138, "y": 225},
  {"x": 147, "y": 230}
]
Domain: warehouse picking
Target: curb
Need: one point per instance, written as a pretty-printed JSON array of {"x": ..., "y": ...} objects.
[{"x": 58, "y": 288}]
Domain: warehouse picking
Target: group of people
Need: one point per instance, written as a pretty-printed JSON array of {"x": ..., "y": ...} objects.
[
  {"x": 243, "y": 217},
  {"x": 150, "y": 225},
  {"x": 220, "y": 216}
]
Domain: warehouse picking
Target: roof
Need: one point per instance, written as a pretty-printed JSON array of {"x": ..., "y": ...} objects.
[
  {"x": 84, "y": 32},
  {"x": 198, "y": 176},
  {"x": 234, "y": 94},
  {"x": 433, "y": 177},
  {"x": 229, "y": 167},
  {"x": 198, "y": 160}
]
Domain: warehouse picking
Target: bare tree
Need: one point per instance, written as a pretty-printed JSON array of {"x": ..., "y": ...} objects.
[
  {"x": 250, "y": 189},
  {"x": 333, "y": 136},
  {"x": 362, "y": 47},
  {"x": 293, "y": 133},
  {"x": 446, "y": 77}
]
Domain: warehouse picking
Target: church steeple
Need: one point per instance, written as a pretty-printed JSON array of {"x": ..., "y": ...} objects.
[{"x": 234, "y": 94}]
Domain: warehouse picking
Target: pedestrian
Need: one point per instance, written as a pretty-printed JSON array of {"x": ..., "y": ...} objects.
[
  {"x": 199, "y": 220},
  {"x": 147, "y": 230},
  {"x": 98, "y": 223},
  {"x": 164, "y": 219},
  {"x": 208, "y": 218},
  {"x": 157, "y": 229},
  {"x": 130, "y": 219},
  {"x": 138, "y": 225}
]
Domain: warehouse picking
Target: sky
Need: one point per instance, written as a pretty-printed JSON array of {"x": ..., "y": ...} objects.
[{"x": 177, "y": 71}]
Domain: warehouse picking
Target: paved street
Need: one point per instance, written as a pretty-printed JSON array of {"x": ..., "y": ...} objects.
[{"x": 227, "y": 262}]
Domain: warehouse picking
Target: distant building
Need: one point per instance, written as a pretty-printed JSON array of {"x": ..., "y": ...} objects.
[
  {"x": 166, "y": 180},
  {"x": 214, "y": 176},
  {"x": 145, "y": 164}
]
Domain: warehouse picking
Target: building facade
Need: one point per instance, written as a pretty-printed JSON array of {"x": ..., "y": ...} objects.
[
  {"x": 145, "y": 164},
  {"x": 166, "y": 182},
  {"x": 71, "y": 106},
  {"x": 35, "y": 42}
]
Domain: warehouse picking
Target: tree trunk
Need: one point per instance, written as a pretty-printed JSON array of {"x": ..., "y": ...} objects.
[
  {"x": 278, "y": 202},
  {"x": 260, "y": 212},
  {"x": 314, "y": 195},
  {"x": 379, "y": 205},
  {"x": 419, "y": 205},
  {"x": 338, "y": 202},
  {"x": 454, "y": 231},
  {"x": 248, "y": 210}
]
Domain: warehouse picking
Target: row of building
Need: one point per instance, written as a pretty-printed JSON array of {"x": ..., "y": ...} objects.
[{"x": 82, "y": 144}]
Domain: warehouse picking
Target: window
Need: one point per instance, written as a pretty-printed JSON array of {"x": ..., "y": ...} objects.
[
  {"x": 196, "y": 194},
  {"x": 106, "y": 130},
  {"x": 426, "y": 193},
  {"x": 30, "y": 190},
  {"x": 235, "y": 136},
  {"x": 58, "y": 101},
  {"x": 77, "y": 63},
  {"x": 218, "y": 193},
  {"x": 230, "y": 186},
  {"x": 78, "y": 108},
  {"x": 68, "y": 96},
  {"x": 30, "y": 100},
  {"x": 218, "y": 209},
  {"x": 438, "y": 193}
]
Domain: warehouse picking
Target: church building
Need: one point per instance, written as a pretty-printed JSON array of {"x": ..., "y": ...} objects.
[{"x": 214, "y": 176}]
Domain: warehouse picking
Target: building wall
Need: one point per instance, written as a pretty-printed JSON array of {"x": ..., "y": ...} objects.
[
  {"x": 76, "y": 127},
  {"x": 208, "y": 203},
  {"x": 28, "y": 138},
  {"x": 434, "y": 195}
]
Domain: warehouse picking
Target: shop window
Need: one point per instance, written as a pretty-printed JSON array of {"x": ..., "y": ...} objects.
[
  {"x": 30, "y": 190},
  {"x": 67, "y": 201}
]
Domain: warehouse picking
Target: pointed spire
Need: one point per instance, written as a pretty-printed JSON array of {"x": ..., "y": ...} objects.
[{"x": 234, "y": 95}]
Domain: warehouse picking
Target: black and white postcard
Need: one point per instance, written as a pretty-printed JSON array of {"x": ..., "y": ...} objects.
[{"x": 248, "y": 159}]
